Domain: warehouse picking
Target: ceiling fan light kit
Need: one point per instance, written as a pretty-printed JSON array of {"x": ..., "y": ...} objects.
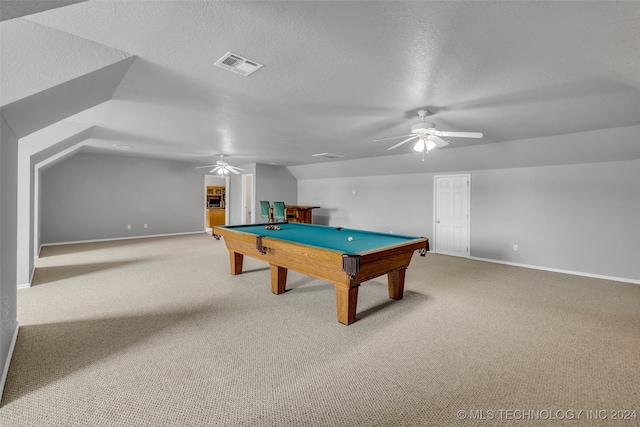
[{"x": 424, "y": 145}]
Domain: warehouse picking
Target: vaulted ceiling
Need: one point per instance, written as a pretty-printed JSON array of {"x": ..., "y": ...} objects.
[{"x": 336, "y": 75}]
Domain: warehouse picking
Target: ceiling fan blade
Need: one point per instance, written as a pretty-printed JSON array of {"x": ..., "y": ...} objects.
[
  {"x": 208, "y": 166},
  {"x": 234, "y": 168},
  {"x": 392, "y": 137},
  {"x": 458, "y": 134},
  {"x": 406, "y": 140},
  {"x": 215, "y": 169},
  {"x": 438, "y": 141}
]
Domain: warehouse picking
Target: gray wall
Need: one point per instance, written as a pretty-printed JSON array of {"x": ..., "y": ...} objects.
[
  {"x": 401, "y": 204},
  {"x": 275, "y": 184},
  {"x": 34, "y": 151},
  {"x": 270, "y": 182},
  {"x": 95, "y": 196},
  {"x": 581, "y": 218},
  {"x": 8, "y": 244}
]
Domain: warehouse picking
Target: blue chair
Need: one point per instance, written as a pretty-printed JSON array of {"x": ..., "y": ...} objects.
[
  {"x": 265, "y": 208},
  {"x": 278, "y": 211}
]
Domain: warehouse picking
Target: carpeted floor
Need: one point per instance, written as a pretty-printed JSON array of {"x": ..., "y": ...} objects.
[{"x": 156, "y": 332}]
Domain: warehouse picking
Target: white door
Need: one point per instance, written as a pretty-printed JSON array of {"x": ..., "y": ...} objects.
[
  {"x": 451, "y": 214},
  {"x": 247, "y": 198}
]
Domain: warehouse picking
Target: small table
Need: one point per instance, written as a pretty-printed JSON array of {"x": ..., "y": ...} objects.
[{"x": 326, "y": 253}]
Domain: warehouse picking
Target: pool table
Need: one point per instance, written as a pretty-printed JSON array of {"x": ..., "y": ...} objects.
[{"x": 342, "y": 256}]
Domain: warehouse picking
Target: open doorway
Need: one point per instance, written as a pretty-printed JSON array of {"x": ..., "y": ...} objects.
[{"x": 215, "y": 201}]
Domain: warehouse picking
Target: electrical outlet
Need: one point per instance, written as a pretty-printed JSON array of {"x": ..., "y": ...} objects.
[
  {"x": 145, "y": 226},
  {"x": 515, "y": 248},
  {"x": 129, "y": 227}
]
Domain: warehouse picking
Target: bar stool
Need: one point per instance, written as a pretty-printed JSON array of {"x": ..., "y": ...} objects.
[
  {"x": 278, "y": 211},
  {"x": 265, "y": 210}
]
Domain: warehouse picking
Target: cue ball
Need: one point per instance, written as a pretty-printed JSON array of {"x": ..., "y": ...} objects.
[{"x": 349, "y": 238}]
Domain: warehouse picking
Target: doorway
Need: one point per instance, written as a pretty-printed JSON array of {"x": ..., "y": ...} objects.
[
  {"x": 247, "y": 199},
  {"x": 216, "y": 189},
  {"x": 451, "y": 214}
]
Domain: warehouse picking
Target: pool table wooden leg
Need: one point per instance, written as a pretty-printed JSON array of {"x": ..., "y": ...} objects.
[
  {"x": 278, "y": 279},
  {"x": 346, "y": 303},
  {"x": 235, "y": 261},
  {"x": 396, "y": 283}
]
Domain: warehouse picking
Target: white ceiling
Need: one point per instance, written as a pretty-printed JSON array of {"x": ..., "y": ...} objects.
[{"x": 336, "y": 74}]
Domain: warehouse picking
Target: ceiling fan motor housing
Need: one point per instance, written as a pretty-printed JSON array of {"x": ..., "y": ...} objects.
[{"x": 422, "y": 127}]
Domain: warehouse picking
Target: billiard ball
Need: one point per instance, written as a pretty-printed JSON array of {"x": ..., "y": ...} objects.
[{"x": 349, "y": 238}]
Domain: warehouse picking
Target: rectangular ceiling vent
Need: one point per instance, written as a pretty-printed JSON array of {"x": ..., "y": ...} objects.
[
  {"x": 327, "y": 155},
  {"x": 238, "y": 64}
]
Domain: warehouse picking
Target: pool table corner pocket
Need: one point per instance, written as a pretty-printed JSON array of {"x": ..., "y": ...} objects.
[{"x": 351, "y": 265}]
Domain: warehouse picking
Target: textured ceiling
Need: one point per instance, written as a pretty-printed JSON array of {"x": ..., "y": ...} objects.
[{"x": 338, "y": 74}]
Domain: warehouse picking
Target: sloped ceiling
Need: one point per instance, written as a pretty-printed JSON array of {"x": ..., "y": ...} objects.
[
  {"x": 10, "y": 9},
  {"x": 55, "y": 143},
  {"x": 37, "y": 58},
  {"x": 338, "y": 74},
  {"x": 49, "y": 75}
]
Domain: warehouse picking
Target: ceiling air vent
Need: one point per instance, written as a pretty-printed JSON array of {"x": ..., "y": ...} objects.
[
  {"x": 238, "y": 64},
  {"x": 327, "y": 155}
]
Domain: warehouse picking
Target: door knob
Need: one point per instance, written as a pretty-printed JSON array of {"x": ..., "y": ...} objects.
[{"x": 437, "y": 221}]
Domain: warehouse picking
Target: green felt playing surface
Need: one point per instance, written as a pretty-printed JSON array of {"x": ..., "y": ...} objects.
[{"x": 326, "y": 237}]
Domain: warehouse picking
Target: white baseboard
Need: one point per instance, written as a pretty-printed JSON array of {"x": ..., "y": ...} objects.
[
  {"x": 5, "y": 369},
  {"x": 120, "y": 238},
  {"x": 28, "y": 285},
  {"x": 558, "y": 270}
]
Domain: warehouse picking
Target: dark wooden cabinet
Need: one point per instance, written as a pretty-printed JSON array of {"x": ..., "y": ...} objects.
[{"x": 303, "y": 214}]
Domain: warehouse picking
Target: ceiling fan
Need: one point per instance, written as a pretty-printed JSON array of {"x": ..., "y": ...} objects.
[
  {"x": 428, "y": 136},
  {"x": 222, "y": 167}
]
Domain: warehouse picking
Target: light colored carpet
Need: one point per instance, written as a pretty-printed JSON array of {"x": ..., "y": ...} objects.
[{"x": 156, "y": 331}]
